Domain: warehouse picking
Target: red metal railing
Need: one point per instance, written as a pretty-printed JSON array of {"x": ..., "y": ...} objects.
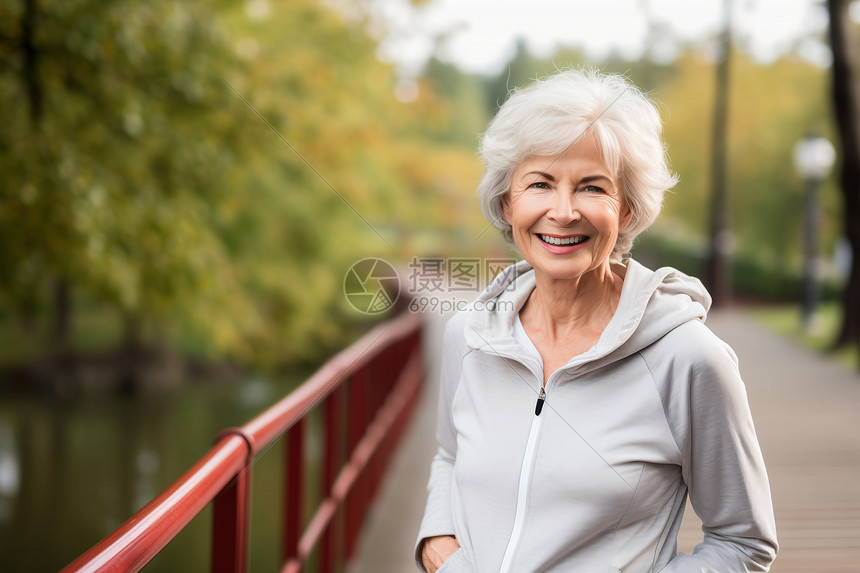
[{"x": 366, "y": 394}]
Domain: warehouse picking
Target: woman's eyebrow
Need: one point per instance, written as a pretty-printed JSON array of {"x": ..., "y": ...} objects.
[
  {"x": 586, "y": 179},
  {"x": 591, "y": 178},
  {"x": 543, "y": 174}
]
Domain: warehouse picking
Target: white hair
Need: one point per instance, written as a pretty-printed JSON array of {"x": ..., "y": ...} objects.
[{"x": 548, "y": 116}]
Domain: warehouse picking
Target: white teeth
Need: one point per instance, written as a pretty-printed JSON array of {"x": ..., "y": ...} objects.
[{"x": 562, "y": 242}]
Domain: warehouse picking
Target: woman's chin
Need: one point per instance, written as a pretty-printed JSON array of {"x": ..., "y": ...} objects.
[{"x": 561, "y": 270}]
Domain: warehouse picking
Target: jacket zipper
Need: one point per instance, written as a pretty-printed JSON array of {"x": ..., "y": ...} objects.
[
  {"x": 525, "y": 482},
  {"x": 541, "y": 399}
]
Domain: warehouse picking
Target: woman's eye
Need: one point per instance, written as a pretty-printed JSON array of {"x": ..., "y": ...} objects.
[
  {"x": 593, "y": 189},
  {"x": 539, "y": 185}
]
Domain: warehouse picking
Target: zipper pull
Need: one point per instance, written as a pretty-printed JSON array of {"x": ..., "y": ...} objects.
[{"x": 541, "y": 399}]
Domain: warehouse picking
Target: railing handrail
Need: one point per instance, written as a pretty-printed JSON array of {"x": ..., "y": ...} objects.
[{"x": 148, "y": 531}]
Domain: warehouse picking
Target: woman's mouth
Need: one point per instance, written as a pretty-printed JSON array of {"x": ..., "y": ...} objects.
[{"x": 562, "y": 241}]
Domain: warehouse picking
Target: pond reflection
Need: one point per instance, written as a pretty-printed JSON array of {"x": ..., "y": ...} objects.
[
  {"x": 73, "y": 471},
  {"x": 10, "y": 471}
]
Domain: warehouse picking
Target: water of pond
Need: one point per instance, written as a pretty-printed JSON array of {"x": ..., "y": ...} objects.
[{"x": 71, "y": 471}]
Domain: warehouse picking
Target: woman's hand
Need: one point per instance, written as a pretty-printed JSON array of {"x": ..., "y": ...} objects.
[{"x": 437, "y": 550}]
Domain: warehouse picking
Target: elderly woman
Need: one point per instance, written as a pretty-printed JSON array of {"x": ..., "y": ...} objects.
[{"x": 582, "y": 397}]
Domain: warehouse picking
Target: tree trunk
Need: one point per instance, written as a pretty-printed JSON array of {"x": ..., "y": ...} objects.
[
  {"x": 61, "y": 295},
  {"x": 30, "y": 69},
  {"x": 846, "y": 100},
  {"x": 61, "y": 320},
  {"x": 718, "y": 271}
]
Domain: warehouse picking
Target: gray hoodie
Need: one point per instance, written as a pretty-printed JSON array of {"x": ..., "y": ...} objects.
[{"x": 593, "y": 475}]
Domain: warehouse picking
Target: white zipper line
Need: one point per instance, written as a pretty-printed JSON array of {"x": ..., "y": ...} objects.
[{"x": 522, "y": 493}]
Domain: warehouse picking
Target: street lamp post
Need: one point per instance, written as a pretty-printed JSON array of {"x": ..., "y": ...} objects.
[{"x": 813, "y": 156}]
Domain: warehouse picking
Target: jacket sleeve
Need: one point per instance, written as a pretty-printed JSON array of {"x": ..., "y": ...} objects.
[
  {"x": 722, "y": 462},
  {"x": 438, "y": 515}
]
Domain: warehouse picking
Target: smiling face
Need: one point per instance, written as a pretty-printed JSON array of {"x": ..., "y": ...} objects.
[{"x": 565, "y": 211}]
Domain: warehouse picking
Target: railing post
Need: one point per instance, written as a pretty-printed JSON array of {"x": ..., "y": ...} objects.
[
  {"x": 357, "y": 420},
  {"x": 294, "y": 489},
  {"x": 333, "y": 429},
  {"x": 230, "y": 516}
]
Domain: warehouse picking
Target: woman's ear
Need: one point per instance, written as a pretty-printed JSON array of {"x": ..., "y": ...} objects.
[
  {"x": 625, "y": 218},
  {"x": 506, "y": 203}
]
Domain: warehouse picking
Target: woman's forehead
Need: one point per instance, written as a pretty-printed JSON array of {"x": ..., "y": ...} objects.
[{"x": 583, "y": 154}]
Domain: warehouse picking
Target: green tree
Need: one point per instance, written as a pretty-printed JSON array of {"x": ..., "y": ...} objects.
[
  {"x": 109, "y": 178},
  {"x": 213, "y": 168},
  {"x": 351, "y": 172},
  {"x": 769, "y": 114}
]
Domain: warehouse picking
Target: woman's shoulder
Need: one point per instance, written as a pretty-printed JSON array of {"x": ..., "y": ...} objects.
[
  {"x": 692, "y": 360},
  {"x": 694, "y": 342},
  {"x": 692, "y": 365}
]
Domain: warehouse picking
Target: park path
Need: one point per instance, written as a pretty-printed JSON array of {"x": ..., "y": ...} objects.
[{"x": 807, "y": 414}]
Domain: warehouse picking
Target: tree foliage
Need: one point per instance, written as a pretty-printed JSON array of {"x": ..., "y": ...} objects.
[
  {"x": 769, "y": 114},
  {"x": 210, "y": 167},
  {"x": 109, "y": 178}
]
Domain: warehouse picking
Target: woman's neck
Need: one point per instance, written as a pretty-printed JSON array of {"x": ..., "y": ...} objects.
[{"x": 561, "y": 308}]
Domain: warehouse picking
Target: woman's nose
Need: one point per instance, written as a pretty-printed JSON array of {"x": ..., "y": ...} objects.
[{"x": 564, "y": 209}]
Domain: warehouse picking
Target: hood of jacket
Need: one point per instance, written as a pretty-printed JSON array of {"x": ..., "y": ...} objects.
[{"x": 652, "y": 303}]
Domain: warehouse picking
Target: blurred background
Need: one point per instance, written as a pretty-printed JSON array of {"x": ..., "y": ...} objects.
[{"x": 185, "y": 185}]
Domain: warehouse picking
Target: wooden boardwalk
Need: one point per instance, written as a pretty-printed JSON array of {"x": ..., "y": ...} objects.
[{"x": 807, "y": 413}]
